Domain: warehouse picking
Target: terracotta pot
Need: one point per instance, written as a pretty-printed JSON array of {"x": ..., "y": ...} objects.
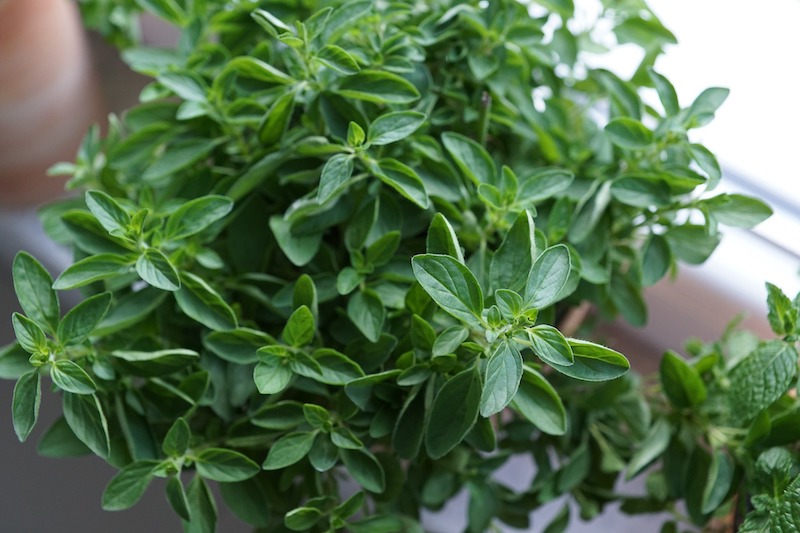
[{"x": 48, "y": 96}]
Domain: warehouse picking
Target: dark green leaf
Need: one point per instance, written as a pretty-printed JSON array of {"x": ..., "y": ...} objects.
[
  {"x": 300, "y": 328},
  {"x": 720, "y": 477},
  {"x": 365, "y": 469},
  {"x": 278, "y": 117},
  {"x": 691, "y": 243},
  {"x": 652, "y": 446},
  {"x": 656, "y": 260},
  {"x": 453, "y": 413},
  {"x": 271, "y": 379},
  {"x": 367, "y": 312},
  {"x": 542, "y": 185},
  {"x": 298, "y": 249},
  {"x": 302, "y": 518},
  {"x": 60, "y": 441},
  {"x": 666, "y": 93},
  {"x": 512, "y": 262},
  {"x": 91, "y": 269},
  {"x": 335, "y": 174},
  {"x": 176, "y": 496},
  {"x": 25, "y": 403},
  {"x": 202, "y": 508},
  {"x": 203, "y": 304},
  {"x": 176, "y": 441},
  {"x": 85, "y": 417},
  {"x": 503, "y": 374},
  {"x": 404, "y": 180}
]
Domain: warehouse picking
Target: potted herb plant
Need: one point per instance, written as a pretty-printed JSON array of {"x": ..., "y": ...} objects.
[{"x": 336, "y": 241}]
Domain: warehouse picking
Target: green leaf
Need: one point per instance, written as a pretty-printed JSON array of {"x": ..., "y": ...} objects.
[
  {"x": 196, "y": 215},
  {"x": 449, "y": 340},
  {"x": 355, "y": 134},
  {"x": 593, "y": 362},
  {"x": 382, "y": 250},
  {"x": 629, "y": 133},
  {"x": 393, "y": 127},
  {"x": 60, "y": 441},
  {"x": 682, "y": 384},
  {"x": 350, "y": 506},
  {"x": 512, "y": 262},
  {"x": 203, "y": 304},
  {"x": 548, "y": 277},
  {"x": 298, "y": 249},
  {"x": 338, "y": 59},
  {"x": 317, "y": 416},
  {"x": 410, "y": 427},
  {"x": 29, "y": 335},
  {"x": 155, "y": 363},
  {"x": 302, "y": 518},
  {"x": 130, "y": 309},
  {"x": 202, "y": 508},
  {"x": 692, "y": 244},
  {"x": 25, "y": 403},
  {"x": 471, "y": 158},
  {"x": 70, "y": 377},
  {"x": 666, "y": 93},
  {"x": 708, "y": 163},
  {"x": 641, "y": 192},
  {"x": 510, "y": 303},
  {"x": 91, "y": 269},
  {"x": 249, "y": 501},
  {"x": 250, "y": 67},
  {"x": 178, "y": 156},
  {"x": 33, "y": 286},
  {"x": 378, "y": 87},
  {"x": 707, "y": 102},
  {"x": 225, "y": 466},
  {"x": 272, "y": 379},
  {"x": 782, "y": 314},
  {"x": 365, "y": 469},
  {"x": 85, "y": 417},
  {"x": 720, "y": 477},
  {"x": 154, "y": 267},
  {"x": 761, "y": 378},
  {"x": 540, "y": 404},
  {"x": 503, "y": 374},
  {"x": 453, "y": 413},
  {"x": 300, "y": 328},
  {"x": 542, "y": 185},
  {"x": 738, "y": 210},
  {"x": 288, "y": 450},
  {"x": 404, "y": 180},
  {"x": 323, "y": 455},
  {"x": 166, "y": 9},
  {"x": 335, "y": 368},
  {"x": 238, "y": 345},
  {"x": 652, "y": 446},
  {"x": 626, "y": 294},
  {"x": 280, "y": 415},
  {"x": 442, "y": 238},
  {"x": 176, "y": 441},
  {"x": 112, "y": 216},
  {"x": 176, "y": 496},
  {"x": 367, "y": 312},
  {"x": 81, "y": 320},
  {"x": 451, "y": 285},
  {"x": 550, "y": 346},
  {"x": 270, "y": 22},
  {"x": 656, "y": 260},
  {"x": 335, "y": 174},
  {"x": 128, "y": 486},
  {"x": 277, "y": 119}
]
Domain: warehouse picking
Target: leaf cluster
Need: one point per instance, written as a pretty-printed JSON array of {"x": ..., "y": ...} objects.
[{"x": 338, "y": 237}]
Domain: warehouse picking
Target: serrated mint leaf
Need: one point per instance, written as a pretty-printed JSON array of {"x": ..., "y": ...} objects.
[{"x": 761, "y": 378}]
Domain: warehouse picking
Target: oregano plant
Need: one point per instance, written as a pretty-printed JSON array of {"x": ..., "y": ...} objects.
[{"x": 336, "y": 241}]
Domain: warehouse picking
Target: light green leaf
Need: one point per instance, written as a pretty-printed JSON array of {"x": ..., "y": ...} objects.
[
  {"x": 550, "y": 346},
  {"x": 298, "y": 249},
  {"x": 691, "y": 243},
  {"x": 178, "y": 156},
  {"x": 652, "y": 446},
  {"x": 288, "y": 450},
  {"x": 548, "y": 277},
  {"x": 338, "y": 59},
  {"x": 393, "y": 127},
  {"x": 367, "y": 312},
  {"x": 666, "y": 93},
  {"x": 335, "y": 174},
  {"x": 154, "y": 267},
  {"x": 761, "y": 378},
  {"x": 503, "y": 374},
  {"x": 91, "y": 269},
  {"x": 70, "y": 377},
  {"x": 250, "y": 67},
  {"x": 453, "y": 413},
  {"x": 81, "y": 320},
  {"x": 629, "y": 133},
  {"x": 404, "y": 180},
  {"x": 656, "y": 260},
  {"x": 442, "y": 238},
  {"x": 451, "y": 285},
  {"x": 738, "y": 210},
  {"x": 112, "y": 216},
  {"x": 128, "y": 486},
  {"x": 681, "y": 382},
  {"x": 176, "y": 441},
  {"x": 540, "y": 404},
  {"x": 33, "y": 286},
  {"x": 196, "y": 215},
  {"x": 302, "y": 518},
  {"x": 542, "y": 185},
  {"x": 29, "y": 335},
  {"x": 512, "y": 262},
  {"x": 593, "y": 362},
  {"x": 378, "y": 87},
  {"x": 225, "y": 466},
  {"x": 277, "y": 119},
  {"x": 471, "y": 158},
  {"x": 272, "y": 379},
  {"x": 300, "y": 328},
  {"x": 203, "y": 304}
]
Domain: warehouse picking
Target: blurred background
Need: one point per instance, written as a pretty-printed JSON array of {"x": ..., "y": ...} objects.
[{"x": 75, "y": 79}]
